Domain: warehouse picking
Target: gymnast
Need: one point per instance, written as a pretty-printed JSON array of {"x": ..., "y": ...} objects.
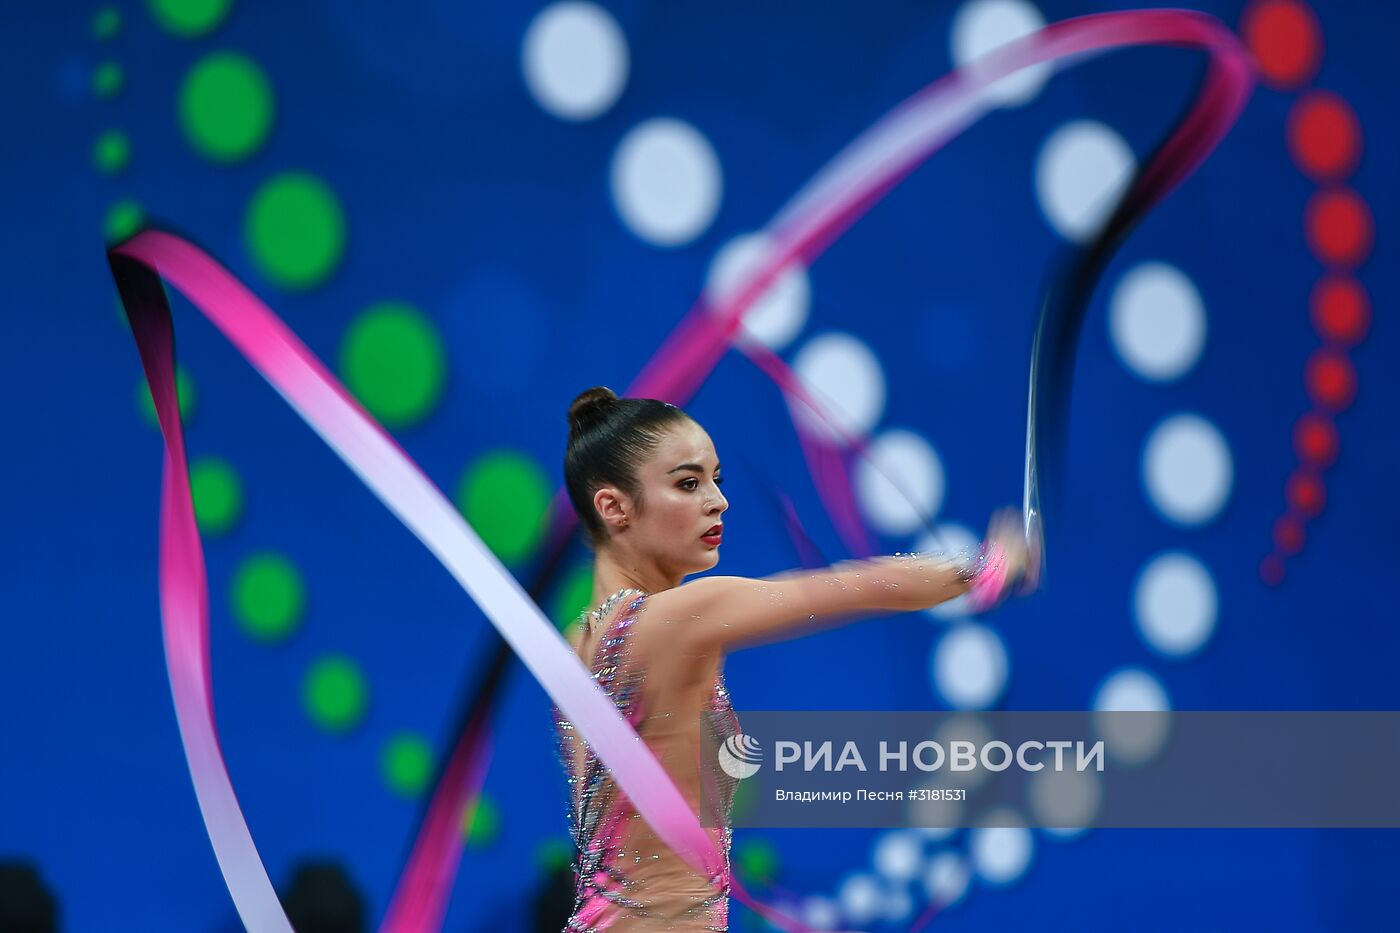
[{"x": 645, "y": 479}]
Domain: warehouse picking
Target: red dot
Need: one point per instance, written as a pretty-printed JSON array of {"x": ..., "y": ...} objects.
[
  {"x": 1315, "y": 440},
  {"x": 1306, "y": 493},
  {"x": 1288, "y": 535},
  {"x": 1330, "y": 378},
  {"x": 1271, "y": 570},
  {"x": 1338, "y": 226},
  {"x": 1341, "y": 309},
  {"x": 1324, "y": 135},
  {"x": 1285, "y": 40}
]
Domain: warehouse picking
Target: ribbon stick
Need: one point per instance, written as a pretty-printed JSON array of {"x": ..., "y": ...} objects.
[{"x": 855, "y": 180}]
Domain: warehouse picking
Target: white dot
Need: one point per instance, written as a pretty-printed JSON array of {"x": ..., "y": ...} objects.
[
  {"x": 1187, "y": 469},
  {"x": 860, "y": 897},
  {"x": 1000, "y": 854},
  {"x": 898, "y": 855},
  {"x": 821, "y": 912},
  {"x": 780, "y": 312},
  {"x": 900, "y": 485},
  {"x": 1131, "y": 688},
  {"x": 844, "y": 376},
  {"x": 959, "y": 543},
  {"x": 983, "y": 25},
  {"x": 1157, "y": 322},
  {"x": 1175, "y": 604},
  {"x": 1065, "y": 802},
  {"x": 1082, "y": 169},
  {"x": 575, "y": 60},
  {"x": 1132, "y": 739},
  {"x": 666, "y": 181},
  {"x": 969, "y": 666},
  {"x": 946, "y": 879}
]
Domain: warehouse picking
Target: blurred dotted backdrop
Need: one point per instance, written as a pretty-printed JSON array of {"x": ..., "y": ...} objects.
[{"x": 472, "y": 211}]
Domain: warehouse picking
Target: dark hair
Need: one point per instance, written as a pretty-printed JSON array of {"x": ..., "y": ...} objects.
[{"x": 609, "y": 438}]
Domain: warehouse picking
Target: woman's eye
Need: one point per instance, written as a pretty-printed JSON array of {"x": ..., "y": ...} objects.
[
  {"x": 719, "y": 480},
  {"x": 690, "y": 483}
]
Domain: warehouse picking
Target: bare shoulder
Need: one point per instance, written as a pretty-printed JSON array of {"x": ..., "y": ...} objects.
[
  {"x": 686, "y": 619},
  {"x": 676, "y": 621},
  {"x": 697, "y": 600}
]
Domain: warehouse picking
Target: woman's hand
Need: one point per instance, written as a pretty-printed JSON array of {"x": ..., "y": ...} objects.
[
  {"x": 1005, "y": 530},
  {"x": 1012, "y": 561}
]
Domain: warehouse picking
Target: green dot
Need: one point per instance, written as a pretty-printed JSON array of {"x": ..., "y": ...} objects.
[
  {"x": 481, "y": 822},
  {"x": 575, "y": 595},
  {"x": 218, "y": 495},
  {"x": 553, "y": 854},
  {"x": 295, "y": 230},
  {"x": 189, "y": 18},
  {"x": 757, "y": 859},
  {"x": 106, "y": 23},
  {"x": 107, "y": 79},
  {"x": 112, "y": 152},
  {"x": 393, "y": 360},
  {"x": 407, "y": 763},
  {"x": 335, "y": 693},
  {"x": 226, "y": 107},
  {"x": 504, "y": 496},
  {"x": 268, "y": 596},
  {"x": 123, "y": 219},
  {"x": 184, "y": 391}
]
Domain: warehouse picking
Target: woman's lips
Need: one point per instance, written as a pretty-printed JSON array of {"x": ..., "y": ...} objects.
[{"x": 712, "y": 539}]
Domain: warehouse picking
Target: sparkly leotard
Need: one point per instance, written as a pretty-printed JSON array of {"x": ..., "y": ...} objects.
[{"x": 626, "y": 878}]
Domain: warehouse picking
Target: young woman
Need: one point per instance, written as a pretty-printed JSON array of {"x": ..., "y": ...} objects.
[{"x": 645, "y": 479}]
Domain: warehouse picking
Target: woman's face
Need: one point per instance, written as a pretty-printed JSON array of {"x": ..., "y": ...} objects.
[{"x": 681, "y": 502}]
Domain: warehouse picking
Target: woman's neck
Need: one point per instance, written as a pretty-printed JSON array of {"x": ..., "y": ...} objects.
[{"x": 614, "y": 570}]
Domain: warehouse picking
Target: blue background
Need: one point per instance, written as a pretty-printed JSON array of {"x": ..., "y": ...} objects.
[{"x": 461, "y": 193}]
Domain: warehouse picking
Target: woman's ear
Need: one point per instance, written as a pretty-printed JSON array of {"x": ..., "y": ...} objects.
[{"x": 613, "y": 506}]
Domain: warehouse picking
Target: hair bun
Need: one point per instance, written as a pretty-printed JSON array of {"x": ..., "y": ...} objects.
[{"x": 590, "y": 407}]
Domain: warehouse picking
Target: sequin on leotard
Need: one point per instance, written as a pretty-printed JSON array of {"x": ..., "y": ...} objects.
[{"x": 626, "y": 879}]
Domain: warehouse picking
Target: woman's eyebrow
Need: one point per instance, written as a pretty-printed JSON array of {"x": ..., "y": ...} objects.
[{"x": 690, "y": 466}]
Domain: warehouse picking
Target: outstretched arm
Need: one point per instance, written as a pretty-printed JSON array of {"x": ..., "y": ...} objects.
[{"x": 725, "y": 613}]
